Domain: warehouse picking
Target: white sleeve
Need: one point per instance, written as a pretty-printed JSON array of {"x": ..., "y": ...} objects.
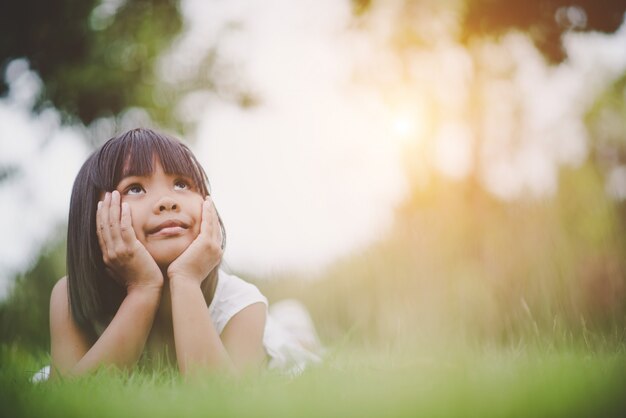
[{"x": 232, "y": 295}]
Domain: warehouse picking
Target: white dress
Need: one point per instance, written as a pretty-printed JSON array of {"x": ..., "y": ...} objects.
[{"x": 290, "y": 340}]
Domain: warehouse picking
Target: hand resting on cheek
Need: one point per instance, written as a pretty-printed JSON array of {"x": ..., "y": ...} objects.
[
  {"x": 204, "y": 253},
  {"x": 124, "y": 255}
]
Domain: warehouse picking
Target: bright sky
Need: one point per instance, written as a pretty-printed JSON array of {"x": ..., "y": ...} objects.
[{"x": 315, "y": 171}]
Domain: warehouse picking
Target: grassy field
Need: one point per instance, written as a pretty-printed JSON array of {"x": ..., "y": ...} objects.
[
  {"x": 359, "y": 382},
  {"x": 468, "y": 307}
]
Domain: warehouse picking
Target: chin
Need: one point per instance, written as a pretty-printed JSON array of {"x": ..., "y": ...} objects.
[{"x": 164, "y": 255}]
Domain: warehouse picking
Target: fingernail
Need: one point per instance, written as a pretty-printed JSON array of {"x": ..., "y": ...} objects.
[{"x": 99, "y": 204}]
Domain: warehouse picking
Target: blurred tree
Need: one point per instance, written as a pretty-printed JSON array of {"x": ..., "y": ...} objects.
[
  {"x": 544, "y": 20},
  {"x": 529, "y": 266},
  {"x": 94, "y": 58}
]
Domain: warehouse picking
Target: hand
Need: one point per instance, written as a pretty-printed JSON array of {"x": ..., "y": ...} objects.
[
  {"x": 128, "y": 260},
  {"x": 204, "y": 253}
]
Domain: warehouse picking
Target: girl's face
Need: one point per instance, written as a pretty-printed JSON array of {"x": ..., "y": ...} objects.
[{"x": 165, "y": 210}]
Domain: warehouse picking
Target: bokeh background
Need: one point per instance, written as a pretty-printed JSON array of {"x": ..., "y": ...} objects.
[{"x": 414, "y": 171}]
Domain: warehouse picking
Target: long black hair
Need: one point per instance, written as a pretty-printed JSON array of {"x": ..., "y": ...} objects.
[{"x": 94, "y": 296}]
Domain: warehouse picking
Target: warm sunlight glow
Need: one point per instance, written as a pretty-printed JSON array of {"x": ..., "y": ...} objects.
[
  {"x": 408, "y": 122},
  {"x": 404, "y": 126}
]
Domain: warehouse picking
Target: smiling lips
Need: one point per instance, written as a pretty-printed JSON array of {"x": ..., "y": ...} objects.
[{"x": 168, "y": 228}]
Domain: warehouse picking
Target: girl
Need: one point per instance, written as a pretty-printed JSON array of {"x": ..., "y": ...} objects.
[{"x": 144, "y": 248}]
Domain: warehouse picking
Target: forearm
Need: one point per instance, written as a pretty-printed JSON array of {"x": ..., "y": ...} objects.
[
  {"x": 123, "y": 341},
  {"x": 198, "y": 345}
]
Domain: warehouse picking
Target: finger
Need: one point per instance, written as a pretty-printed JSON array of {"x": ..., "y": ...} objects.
[
  {"x": 205, "y": 225},
  {"x": 99, "y": 228},
  {"x": 114, "y": 216},
  {"x": 126, "y": 224},
  {"x": 217, "y": 231},
  {"x": 215, "y": 224},
  {"x": 105, "y": 227},
  {"x": 222, "y": 232}
]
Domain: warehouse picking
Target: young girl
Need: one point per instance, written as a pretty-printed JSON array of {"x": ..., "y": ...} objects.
[{"x": 144, "y": 248}]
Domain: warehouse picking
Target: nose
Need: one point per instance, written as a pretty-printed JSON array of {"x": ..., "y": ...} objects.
[{"x": 166, "y": 204}]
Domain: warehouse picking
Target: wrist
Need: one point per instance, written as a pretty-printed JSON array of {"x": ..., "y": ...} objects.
[
  {"x": 154, "y": 287},
  {"x": 147, "y": 296},
  {"x": 183, "y": 281}
]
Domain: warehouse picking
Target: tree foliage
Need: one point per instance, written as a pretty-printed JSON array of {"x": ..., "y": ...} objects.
[
  {"x": 95, "y": 59},
  {"x": 544, "y": 20}
]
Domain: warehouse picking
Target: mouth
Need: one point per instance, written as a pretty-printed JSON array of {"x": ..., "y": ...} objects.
[{"x": 169, "y": 228}]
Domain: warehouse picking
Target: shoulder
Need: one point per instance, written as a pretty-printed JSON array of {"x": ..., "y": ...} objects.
[
  {"x": 68, "y": 343},
  {"x": 232, "y": 296},
  {"x": 60, "y": 304},
  {"x": 58, "y": 298}
]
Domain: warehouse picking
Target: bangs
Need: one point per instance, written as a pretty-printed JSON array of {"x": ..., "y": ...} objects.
[{"x": 135, "y": 152}]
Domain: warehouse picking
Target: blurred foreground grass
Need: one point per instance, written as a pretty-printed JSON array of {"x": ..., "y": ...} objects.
[{"x": 459, "y": 381}]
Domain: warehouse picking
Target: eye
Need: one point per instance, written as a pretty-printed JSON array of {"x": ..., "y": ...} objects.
[
  {"x": 181, "y": 184},
  {"x": 134, "y": 188}
]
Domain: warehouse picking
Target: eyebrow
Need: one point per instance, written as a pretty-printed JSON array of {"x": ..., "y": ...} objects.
[
  {"x": 132, "y": 176},
  {"x": 144, "y": 176},
  {"x": 132, "y": 179}
]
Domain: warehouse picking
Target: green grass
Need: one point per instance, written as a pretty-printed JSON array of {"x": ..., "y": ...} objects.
[
  {"x": 537, "y": 287},
  {"x": 463, "y": 381}
]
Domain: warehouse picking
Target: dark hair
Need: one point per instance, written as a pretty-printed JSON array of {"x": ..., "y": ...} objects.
[{"x": 94, "y": 295}]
